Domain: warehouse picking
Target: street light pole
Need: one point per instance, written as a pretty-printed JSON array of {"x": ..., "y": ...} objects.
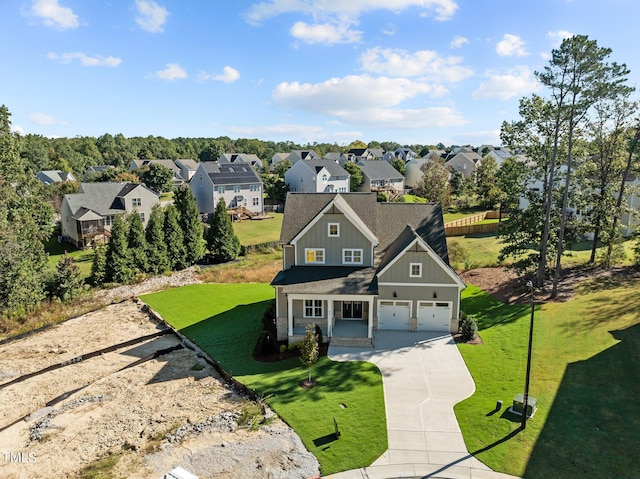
[{"x": 526, "y": 381}]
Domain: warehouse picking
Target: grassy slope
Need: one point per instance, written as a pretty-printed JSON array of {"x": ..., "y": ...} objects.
[
  {"x": 585, "y": 354},
  {"x": 259, "y": 231},
  {"x": 225, "y": 320},
  {"x": 82, "y": 258}
]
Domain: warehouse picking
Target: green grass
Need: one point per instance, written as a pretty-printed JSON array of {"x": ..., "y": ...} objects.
[
  {"x": 414, "y": 199},
  {"x": 252, "y": 232},
  {"x": 586, "y": 354},
  {"x": 225, "y": 320},
  {"x": 82, "y": 258}
]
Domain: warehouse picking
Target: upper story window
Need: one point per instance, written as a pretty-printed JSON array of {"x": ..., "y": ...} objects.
[
  {"x": 136, "y": 202},
  {"x": 351, "y": 256},
  {"x": 254, "y": 187},
  {"x": 236, "y": 188},
  {"x": 256, "y": 201},
  {"x": 314, "y": 255},
  {"x": 220, "y": 189},
  {"x": 325, "y": 178},
  {"x": 415, "y": 270},
  {"x": 333, "y": 230}
]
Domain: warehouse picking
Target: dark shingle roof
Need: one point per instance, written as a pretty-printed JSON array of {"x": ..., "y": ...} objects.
[
  {"x": 326, "y": 280},
  {"x": 386, "y": 220},
  {"x": 102, "y": 198},
  {"x": 332, "y": 167},
  {"x": 231, "y": 173},
  {"x": 379, "y": 170}
]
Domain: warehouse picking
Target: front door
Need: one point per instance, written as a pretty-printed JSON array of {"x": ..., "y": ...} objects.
[{"x": 352, "y": 310}]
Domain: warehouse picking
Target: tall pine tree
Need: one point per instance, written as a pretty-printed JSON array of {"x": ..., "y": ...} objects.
[
  {"x": 137, "y": 242},
  {"x": 157, "y": 259},
  {"x": 118, "y": 266},
  {"x": 190, "y": 224},
  {"x": 222, "y": 241},
  {"x": 174, "y": 238}
]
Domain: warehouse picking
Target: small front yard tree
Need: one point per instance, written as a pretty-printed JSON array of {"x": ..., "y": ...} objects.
[
  {"x": 222, "y": 241},
  {"x": 309, "y": 350}
]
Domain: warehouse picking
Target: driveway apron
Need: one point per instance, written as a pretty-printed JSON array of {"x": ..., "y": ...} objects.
[{"x": 424, "y": 376}]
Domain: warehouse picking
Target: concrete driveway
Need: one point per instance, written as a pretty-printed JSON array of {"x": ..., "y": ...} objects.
[{"x": 424, "y": 375}]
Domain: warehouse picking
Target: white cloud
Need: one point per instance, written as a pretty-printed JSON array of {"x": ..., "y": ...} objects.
[
  {"x": 515, "y": 82},
  {"x": 423, "y": 63},
  {"x": 557, "y": 37},
  {"x": 172, "y": 72},
  {"x": 151, "y": 16},
  {"x": 282, "y": 130},
  {"x": 86, "y": 60},
  {"x": 326, "y": 33},
  {"x": 511, "y": 45},
  {"x": 363, "y": 100},
  {"x": 389, "y": 29},
  {"x": 40, "y": 118},
  {"x": 53, "y": 14},
  {"x": 17, "y": 129},
  {"x": 228, "y": 75},
  {"x": 349, "y": 94},
  {"x": 458, "y": 42}
]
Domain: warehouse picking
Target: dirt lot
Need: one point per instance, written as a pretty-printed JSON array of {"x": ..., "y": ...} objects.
[{"x": 137, "y": 415}]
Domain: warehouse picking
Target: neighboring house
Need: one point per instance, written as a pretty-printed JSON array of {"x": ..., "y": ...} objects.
[
  {"x": 465, "y": 162},
  {"x": 631, "y": 219},
  {"x": 178, "y": 179},
  {"x": 49, "y": 177},
  {"x": 378, "y": 175},
  {"x": 187, "y": 168},
  {"x": 353, "y": 264},
  {"x": 95, "y": 170},
  {"x": 88, "y": 215},
  {"x": 333, "y": 156},
  {"x": 250, "y": 158},
  {"x": 277, "y": 158},
  {"x": 363, "y": 154},
  {"x": 317, "y": 176},
  {"x": 297, "y": 155},
  {"x": 413, "y": 174},
  {"x": 499, "y": 154},
  {"x": 407, "y": 154},
  {"x": 238, "y": 183}
]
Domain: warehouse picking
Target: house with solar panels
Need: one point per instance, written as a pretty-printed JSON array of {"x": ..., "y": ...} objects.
[{"x": 238, "y": 183}]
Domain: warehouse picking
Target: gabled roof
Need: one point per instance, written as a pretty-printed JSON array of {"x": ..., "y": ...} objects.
[
  {"x": 240, "y": 173},
  {"x": 102, "y": 198},
  {"x": 327, "y": 279},
  {"x": 187, "y": 163},
  {"x": 379, "y": 170},
  {"x": 331, "y": 166},
  {"x": 469, "y": 156},
  {"x": 385, "y": 220},
  {"x": 54, "y": 176},
  {"x": 166, "y": 163}
]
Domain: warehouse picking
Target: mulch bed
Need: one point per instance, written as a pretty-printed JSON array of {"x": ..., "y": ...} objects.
[
  {"x": 278, "y": 356},
  {"x": 457, "y": 337}
]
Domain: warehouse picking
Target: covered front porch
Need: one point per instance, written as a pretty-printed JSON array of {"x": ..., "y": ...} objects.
[{"x": 344, "y": 320}]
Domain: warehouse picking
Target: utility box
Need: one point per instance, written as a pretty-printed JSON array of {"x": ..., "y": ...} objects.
[{"x": 518, "y": 405}]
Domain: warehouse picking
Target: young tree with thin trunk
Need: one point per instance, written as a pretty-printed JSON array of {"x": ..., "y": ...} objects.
[{"x": 309, "y": 350}]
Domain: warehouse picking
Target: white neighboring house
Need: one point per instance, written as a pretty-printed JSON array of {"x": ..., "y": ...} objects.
[
  {"x": 238, "y": 183},
  {"x": 631, "y": 219},
  {"x": 187, "y": 168},
  {"x": 89, "y": 214},
  {"x": 317, "y": 176}
]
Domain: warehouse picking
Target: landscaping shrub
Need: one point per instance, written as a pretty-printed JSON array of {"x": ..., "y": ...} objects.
[
  {"x": 318, "y": 332},
  {"x": 267, "y": 344},
  {"x": 469, "y": 329}
]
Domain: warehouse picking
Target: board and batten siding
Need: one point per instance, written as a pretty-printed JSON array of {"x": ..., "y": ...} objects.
[
  {"x": 432, "y": 271},
  {"x": 318, "y": 237}
]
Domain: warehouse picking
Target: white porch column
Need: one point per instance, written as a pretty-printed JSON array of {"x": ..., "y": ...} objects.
[
  {"x": 330, "y": 317},
  {"x": 290, "y": 315},
  {"x": 370, "y": 319}
]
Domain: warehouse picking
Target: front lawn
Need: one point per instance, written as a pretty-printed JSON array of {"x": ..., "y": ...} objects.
[
  {"x": 81, "y": 257},
  {"x": 251, "y": 232},
  {"x": 585, "y": 361},
  {"x": 225, "y": 320}
]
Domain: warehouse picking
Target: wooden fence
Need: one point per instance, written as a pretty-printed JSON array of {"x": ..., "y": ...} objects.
[{"x": 465, "y": 226}]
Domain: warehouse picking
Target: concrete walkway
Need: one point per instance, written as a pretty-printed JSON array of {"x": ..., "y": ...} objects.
[{"x": 424, "y": 375}]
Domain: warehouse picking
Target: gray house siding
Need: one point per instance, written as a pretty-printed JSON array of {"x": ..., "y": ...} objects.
[
  {"x": 415, "y": 294},
  {"x": 202, "y": 189},
  {"x": 318, "y": 237},
  {"x": 288, "y": 256},
  {"x": 431, "y": 271}
]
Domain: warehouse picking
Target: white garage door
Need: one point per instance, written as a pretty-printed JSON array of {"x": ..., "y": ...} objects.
[
  {"x": 394, "y": 315},
  {"x": 434, "y": 316}
]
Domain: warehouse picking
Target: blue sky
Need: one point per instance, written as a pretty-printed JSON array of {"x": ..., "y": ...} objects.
[{"x": 411, "y": 71}]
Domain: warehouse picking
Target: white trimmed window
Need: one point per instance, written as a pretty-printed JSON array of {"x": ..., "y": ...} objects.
[
  {"x": 256, "y": 202},
  {"x": 236, "y": 188},
  {"x": 313, "y": 308},
  {"x": 314, "y": 255},
  {"x": 415, "y": 270},
  {"x": 136, "y": 202},
  {"x": 220, "y": 189},
  {"x": 351, "y": 256},
  {"x": 141, "y": 216},
  {"x": 333, "y": 230}
]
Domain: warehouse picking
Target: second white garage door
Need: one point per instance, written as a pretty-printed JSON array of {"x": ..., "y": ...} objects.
[
  {"x": 434, "y": 316},
  {"x": 394, "y": 315}
]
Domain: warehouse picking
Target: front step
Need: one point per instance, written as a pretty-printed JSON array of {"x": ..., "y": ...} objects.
[{"x": 351, "y": 342}]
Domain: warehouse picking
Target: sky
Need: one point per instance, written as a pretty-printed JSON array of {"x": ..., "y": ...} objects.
[{"x": 409, "y": 71}]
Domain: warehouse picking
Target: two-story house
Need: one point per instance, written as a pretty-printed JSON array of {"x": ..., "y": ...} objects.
[
  {"x": 88, "y": 215},
  {"x": 466, "y": 163},
  {"x": 352, "y": 265},
  {"x": 49, "y": 177},
  {"x": 317, "y": 176},
  {"x": 238, "y": 183},
  {"x": 379, "y": 176}
]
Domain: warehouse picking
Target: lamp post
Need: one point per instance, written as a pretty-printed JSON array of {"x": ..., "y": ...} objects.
[{"x": 526, "y": 381}]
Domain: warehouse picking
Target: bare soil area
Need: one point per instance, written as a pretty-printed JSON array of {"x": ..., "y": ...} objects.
[{"x": 138, "y": 410}]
